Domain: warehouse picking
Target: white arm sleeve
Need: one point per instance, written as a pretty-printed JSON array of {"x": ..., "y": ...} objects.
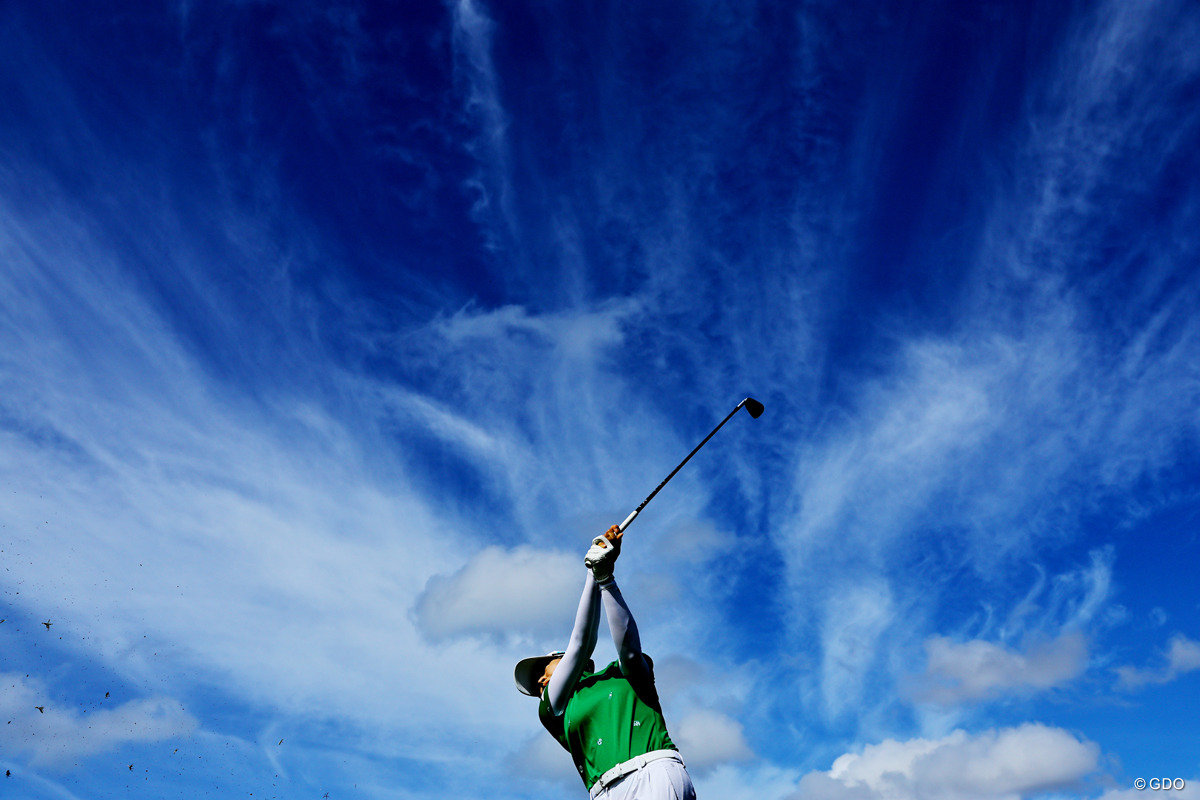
[
  {"x": 579, "y": 650},
  {"x": 624, "y": 632}
]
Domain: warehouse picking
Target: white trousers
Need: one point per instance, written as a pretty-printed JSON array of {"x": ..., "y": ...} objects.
[{"x": 665, "y": 779}]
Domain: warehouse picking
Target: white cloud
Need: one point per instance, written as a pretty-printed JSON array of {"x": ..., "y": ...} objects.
[
  {"x": 503, "y": 591},
  {"x": 1182, "y": 656},
  {"x": 1004, "y": 764},
  {"x": 977, "y": 670},
  {"x": 57, "y": 737},
  {"x": 708, "y": 738}
]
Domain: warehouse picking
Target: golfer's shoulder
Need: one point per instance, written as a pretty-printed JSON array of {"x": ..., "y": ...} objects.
[
  {"x": 614, "y": 669},
  {"x": 643, "y": 664},
  {"x": 607, "y": 672}
]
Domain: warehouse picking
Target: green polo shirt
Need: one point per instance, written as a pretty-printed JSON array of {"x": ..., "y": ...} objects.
[{"x": 607, "y": 721}]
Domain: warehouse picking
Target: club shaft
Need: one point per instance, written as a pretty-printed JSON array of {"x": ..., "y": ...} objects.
[{"x": 650, "y": 497}]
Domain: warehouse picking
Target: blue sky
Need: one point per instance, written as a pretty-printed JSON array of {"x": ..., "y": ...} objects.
[{"x": 330, "y": 333}]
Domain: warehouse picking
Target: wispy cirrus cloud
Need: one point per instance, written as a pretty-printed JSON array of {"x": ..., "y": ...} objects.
[
  {"x": 981, "y": 443},
  {"x": 473, "y": 35},
  {"x": 1041, "y": 644},
  {"x": 236, "y": 360},
  {"x": 57, "y": 737},
  {"x": 189, "y": 502},
  {"x": 857, "y": 615},
  {"x": 209, "y": 501}
]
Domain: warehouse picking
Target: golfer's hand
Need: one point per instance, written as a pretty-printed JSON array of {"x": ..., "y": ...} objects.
[
  {"x": 614, "y": 535},
  {"x": 602, "y": 555}
]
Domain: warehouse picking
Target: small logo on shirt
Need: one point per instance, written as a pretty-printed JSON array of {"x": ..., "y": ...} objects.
[
  {"x": 599, "y": 742},
  {"x": 637, "y": 723}
]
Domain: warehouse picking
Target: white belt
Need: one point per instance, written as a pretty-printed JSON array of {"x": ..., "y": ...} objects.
[{"x": 632, "y": 765}]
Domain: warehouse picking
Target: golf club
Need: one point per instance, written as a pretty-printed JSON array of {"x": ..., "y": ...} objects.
[{"x": 753, "y": 406}]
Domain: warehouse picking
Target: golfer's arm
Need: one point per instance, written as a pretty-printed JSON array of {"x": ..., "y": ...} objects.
[
  {"x": 579, "y": 649},
  {"x": 624, "y": 631}
]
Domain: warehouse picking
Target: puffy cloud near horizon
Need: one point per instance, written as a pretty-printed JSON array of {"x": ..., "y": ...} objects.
[{"x": 1002, "y": 764}]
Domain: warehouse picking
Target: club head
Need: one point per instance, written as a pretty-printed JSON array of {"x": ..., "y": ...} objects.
[{"x": 753, "y": 406}]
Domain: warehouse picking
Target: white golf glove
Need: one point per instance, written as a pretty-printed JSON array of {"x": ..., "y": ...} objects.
[{"x": 601, "y": 557}]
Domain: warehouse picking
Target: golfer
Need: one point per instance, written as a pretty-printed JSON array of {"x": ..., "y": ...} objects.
[{"x": 610, "y": 721}]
